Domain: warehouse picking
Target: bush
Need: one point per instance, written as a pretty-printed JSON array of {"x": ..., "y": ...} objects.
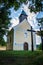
[
  {"x": 2, "y": 42},
  {"x": 21, "y": 58},
  {"x": 40, "y": 46}
]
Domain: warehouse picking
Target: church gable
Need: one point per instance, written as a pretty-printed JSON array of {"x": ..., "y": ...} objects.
[
  {"x": 24, "y": 25},
  {"x": 23, "y": 22}
]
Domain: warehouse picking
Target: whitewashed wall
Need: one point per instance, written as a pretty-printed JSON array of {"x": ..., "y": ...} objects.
[
  {"x": 20, "y": 37},
  {"x": 34, "y": 40}
]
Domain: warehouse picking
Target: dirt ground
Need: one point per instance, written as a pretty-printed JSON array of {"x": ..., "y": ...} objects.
[{"x": 2, "y": 47}]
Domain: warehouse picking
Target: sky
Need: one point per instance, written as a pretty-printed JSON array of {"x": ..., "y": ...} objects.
[
  {"x": 31, "y": 19},
  {"x": 31, "y": 16}
]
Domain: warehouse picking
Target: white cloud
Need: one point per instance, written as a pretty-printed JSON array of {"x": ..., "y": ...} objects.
[{"x": 14, "y": 22}]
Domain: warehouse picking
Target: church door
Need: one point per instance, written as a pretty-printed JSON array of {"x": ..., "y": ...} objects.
[{"x": 25, "y": 46}]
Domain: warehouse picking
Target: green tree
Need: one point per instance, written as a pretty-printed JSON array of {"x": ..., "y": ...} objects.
[
  {"x": 2, "y": 42},
  {"x": 5, "y": 6},
  {"x": 40, "y": 33},
  {"x": 37, "y": 6}
]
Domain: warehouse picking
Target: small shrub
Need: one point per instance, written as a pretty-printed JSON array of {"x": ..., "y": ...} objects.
[{"x": 40, "y": 46}]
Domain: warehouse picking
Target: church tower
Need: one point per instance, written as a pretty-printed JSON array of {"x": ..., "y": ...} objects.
[{"x": 10, "y": 38}]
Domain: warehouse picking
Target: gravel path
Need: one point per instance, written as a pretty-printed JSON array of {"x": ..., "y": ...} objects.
[{"x": 2, "y": 48}]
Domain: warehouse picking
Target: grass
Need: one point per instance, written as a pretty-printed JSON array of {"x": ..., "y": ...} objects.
[
  {"x": 20, "y": 53},
  {"x": 20, "y": 57}
]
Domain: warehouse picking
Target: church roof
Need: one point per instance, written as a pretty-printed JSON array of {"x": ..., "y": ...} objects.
[
  {"x": 22, "y": 16},
  {"x": 23, "y": 13}
]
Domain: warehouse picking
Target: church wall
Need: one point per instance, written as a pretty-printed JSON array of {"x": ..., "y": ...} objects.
[
  {"x": 20, "y": 39},
  {"x": 21, "y": 35},
  {"x": 34, "y": 40},
  {"x": 10, "y": 40}
]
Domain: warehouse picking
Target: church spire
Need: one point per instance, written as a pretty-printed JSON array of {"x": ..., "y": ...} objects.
[{"x": 22, "y": 16}]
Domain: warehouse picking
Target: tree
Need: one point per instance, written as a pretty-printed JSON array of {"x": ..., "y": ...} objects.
[
  {"x": 2, "y": 42},
  {"x": 37, "y": 6},
  {"x": 39, "y": 33},
  {"x": 5, "y": 5}
]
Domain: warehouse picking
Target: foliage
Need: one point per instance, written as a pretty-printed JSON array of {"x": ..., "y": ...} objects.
[
  {"x": 21, "y": 57},
  {"x": 40, "y": 47},
  {"x": 39, "y": 33},
  {"x": 5, "y": 6},
  {"x": 36, "y": 6},
  {"x": 2, "y": 42},
  {"x": 38, "y": 60},
  {"x": 4, "y": 20}
]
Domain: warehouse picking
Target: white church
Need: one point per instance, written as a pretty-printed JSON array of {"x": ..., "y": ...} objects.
[{"x": 21, "y": 36}]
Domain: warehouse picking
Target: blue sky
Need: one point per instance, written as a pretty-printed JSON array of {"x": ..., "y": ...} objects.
[{"x": 14, "y": 13}]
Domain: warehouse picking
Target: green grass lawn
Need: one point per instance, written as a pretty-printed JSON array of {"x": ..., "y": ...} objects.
[{"x": 21, "y": 58}]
